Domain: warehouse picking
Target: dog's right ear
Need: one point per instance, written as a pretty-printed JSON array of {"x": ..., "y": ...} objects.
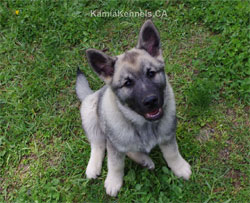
[{"x": 101, "y": 63}]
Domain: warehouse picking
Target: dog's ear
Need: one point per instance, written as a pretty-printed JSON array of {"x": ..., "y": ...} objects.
[
  {"x": 149, "y": 39},
  {"x": 101, "y": 63}
]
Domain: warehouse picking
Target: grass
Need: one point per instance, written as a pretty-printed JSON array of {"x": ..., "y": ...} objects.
[{"x": 43, "y": 149}]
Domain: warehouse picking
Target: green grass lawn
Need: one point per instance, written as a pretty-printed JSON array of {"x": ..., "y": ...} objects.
[{"x": 43, "y": 149}]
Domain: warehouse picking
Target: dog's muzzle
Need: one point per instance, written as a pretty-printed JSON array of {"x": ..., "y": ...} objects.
[{"x": 154, "y": 112}]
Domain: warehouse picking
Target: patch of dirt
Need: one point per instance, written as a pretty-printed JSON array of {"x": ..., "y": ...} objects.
[
  {"x": 205, "y": 134},
  {"x": 23, "y": 169},
  {"x": 220, "y": 189},
  {"x": 55, "y": 160},
  {"x": 224, "y": 154},
  {"x": 235, "y": 176},
  {"x": 1, "y": 181}
]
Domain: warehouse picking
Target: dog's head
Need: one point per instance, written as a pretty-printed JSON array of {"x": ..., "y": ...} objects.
[{"x": 136, "y": 77}]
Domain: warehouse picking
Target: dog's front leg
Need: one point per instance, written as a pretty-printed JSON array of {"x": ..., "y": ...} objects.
[
  {"x": 114, "y": 178},
  {"x": 178, "y": 165}
]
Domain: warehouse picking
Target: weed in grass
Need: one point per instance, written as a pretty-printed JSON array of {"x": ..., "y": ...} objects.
[{"x": 200, "y": 95}]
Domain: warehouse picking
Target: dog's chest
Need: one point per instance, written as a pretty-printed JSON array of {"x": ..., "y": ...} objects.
[
  {"x": 132, "y": 139},
  {"x": 148, "y": 137}
]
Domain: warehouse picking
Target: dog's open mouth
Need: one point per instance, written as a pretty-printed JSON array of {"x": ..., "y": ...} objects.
[{"x": 154, "y": 115}]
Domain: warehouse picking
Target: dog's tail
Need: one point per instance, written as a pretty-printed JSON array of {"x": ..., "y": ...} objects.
[{"x": 82, "y": 86}]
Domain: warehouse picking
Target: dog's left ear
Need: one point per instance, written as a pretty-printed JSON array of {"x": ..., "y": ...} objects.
[{"x": 149, "y": 39}]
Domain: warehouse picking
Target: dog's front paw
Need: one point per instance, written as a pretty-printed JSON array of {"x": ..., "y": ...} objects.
[
  {"x": 181, "y": 168},
  {"x": 113, "y": 184},
  {"x": 93, "y": 170}
]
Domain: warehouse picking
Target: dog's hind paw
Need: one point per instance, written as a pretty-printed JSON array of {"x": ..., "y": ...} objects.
[
  {"x": 148, "y": 163},
  {"x": 113, "y": 185},
  {"x": 142, "y": 158}
]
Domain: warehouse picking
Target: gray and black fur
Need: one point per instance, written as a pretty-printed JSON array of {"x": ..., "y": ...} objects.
[
  {"x": 82, "y": 86},
  {"x": 132, "y": 113}
]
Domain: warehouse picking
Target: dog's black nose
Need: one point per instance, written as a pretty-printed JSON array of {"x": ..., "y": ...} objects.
[{"x": 150, "y": 101}]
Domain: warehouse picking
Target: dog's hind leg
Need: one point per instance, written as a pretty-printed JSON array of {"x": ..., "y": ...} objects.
[
  {"x": 142, "y": 159},
  {"x": 95, "y": 136},
  {"x": 98, "y": 146}
]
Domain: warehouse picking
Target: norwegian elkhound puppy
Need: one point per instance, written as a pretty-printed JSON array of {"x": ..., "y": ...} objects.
[{"x": 132, "y": 113}]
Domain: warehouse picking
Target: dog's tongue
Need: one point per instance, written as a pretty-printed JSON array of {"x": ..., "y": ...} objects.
[{"x": 153, "y": 112}]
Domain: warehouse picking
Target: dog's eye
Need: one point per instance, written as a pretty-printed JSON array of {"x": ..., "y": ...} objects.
[
  {"x": 151, "y": 73},
  {"x": 128, "y": 83}
]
